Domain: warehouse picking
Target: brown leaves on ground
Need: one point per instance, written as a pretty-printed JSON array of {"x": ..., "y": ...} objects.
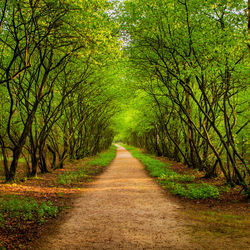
[
  {"x": 44, "y": 187},
  {"x": 201, "y": 212}
]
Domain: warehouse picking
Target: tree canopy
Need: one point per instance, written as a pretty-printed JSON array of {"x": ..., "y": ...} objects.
[{"x": 167, "y": 76}]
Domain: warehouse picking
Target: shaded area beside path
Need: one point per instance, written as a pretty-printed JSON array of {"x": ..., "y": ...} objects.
[{"x": 122, "y": 209}]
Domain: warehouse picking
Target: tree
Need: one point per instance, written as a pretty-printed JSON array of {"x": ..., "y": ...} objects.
[
  {"x": 43, "y": 42},
  {"x": 192, "y": 53}
]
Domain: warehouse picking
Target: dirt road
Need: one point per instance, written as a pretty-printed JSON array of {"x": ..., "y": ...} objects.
[{"x": 123, "y": 209}]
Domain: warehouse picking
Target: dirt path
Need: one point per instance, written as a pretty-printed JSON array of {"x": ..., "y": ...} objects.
[{"x": 122, "y": 209}]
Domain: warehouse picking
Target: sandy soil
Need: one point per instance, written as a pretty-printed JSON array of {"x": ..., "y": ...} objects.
[{"x": 123, "y": 209}]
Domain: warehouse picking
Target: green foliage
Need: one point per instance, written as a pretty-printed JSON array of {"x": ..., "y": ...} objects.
[
  {"x": 104, "y": 159},
  {"x": 183, "y": 107},
  {"x": 193, "y": 190},
  {"x": 45, "y": 210},
  {"x": 69, "y": 177},
  {"x": 26, "y": 209},
  {"x": 179, "y": 91},
  {"x": 101, "y": 160},
  {"x": 72, "y": 94},
  {"x": 202, "y": 191},
  {"x": 178, "y": 184},
  {"x": 155, "y": 168},
  {"x": 171, "y": 176}
]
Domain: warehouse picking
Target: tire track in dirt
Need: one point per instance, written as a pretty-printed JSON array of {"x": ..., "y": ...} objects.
[{"x": 122, "y": 209}]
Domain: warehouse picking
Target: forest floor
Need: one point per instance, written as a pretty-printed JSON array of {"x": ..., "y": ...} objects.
[{"x": 124, "y": 208}]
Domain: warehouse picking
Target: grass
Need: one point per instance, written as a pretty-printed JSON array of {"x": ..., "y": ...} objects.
[
  {"x": 68, "y": 177},
  {"x": 105, "y": 158},
  {"x": 22, "y": 218},
  {"x": 24, "y": 209},
  {"x": 193, "y": 190},
  {"x": 85, "y": 172},
  {"x": 217, "y": 224},
  {"x": 178, "y": 184}
]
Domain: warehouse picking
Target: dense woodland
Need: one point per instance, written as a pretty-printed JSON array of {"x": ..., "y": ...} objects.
[
  {"x": 55, "y": 99},
  {"x": 167, "y": 76}
]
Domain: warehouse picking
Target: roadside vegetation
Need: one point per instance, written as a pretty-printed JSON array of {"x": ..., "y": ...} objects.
[
  {"x": 56, "y": 98},
  {"x": 187, "y": 72},
  {"x": 213, "y": 209},
  {"x": 28, "y": 207},
  {"x": 168, "y": 77},
  {"x": 24, "y": 210},
  {"x": 185, "y": 185},
  {"x": 89, "y": 168}
]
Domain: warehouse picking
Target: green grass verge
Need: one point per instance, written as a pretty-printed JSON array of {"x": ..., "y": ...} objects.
[
  {"x": 178, "y": 184},
  {"x": 101, "y": 160},
  {"x": 105, "y": 158},
  {"x": 25, "y": 209}
]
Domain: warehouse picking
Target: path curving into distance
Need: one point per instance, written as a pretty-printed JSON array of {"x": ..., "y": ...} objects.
[{"x": 122, "y": 209}]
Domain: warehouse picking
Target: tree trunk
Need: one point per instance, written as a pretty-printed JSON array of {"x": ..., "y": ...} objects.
[
  {"x": 34, "y": 163},
  {"x": 5, "y": 162},
  {"x": 190, "y": 133},
  {"x": 12, "y": 172},
  {"x": 53, "y": 164}
]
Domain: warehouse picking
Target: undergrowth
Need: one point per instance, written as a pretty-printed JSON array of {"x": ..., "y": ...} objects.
[
  {"x": 68, "y": 177},
  {"x": 25, "y": 209},
  {"x": 105, "y": 158},
  {"x": 101, "y": 160},
  {"x": 178, "y": 184}
]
